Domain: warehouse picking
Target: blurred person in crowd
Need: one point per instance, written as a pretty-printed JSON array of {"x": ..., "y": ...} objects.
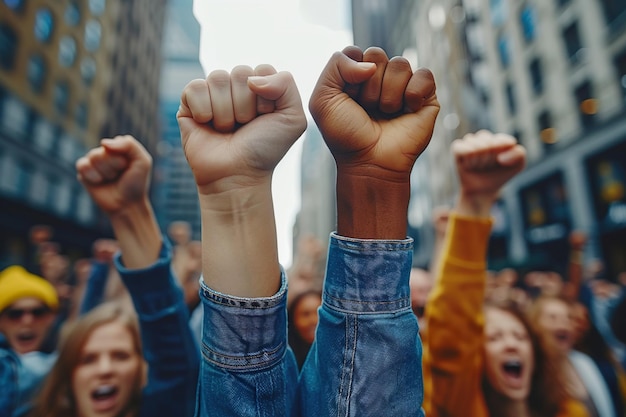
[
  {"x": 302, "y": 321},
  {"x": 116, "y": 175},
  {"x": 483, "y": 360},
  {"x": 100, "y": 370},
  {"x": 588, "y": 340},
  {"x": 420, "y": 284},
  {"x": 307, "y": 269},
  {"x": 28, "y": 306},
  {"x": 440, "y": 217},
  {"x": 104, "y": 282},
  {"x": 551, "y": 315}
]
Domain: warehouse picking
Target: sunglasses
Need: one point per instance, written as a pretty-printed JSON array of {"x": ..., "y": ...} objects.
[{"x": 17, "y": 313}]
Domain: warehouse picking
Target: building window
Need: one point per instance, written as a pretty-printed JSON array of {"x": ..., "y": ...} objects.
[
  {"x": 88, "y": 69},
  {"x": 14, "y": 4},
  {"x": 36, "y": 72},
  {"x": 62, "y": 197},
  {"x": 61, "y": 96},
  {"x": 93, "y": 33},
  {"x": 14, "y": 117},
  {"x": 510, "y": 98},
  {"x": 573, "y": 42},
  {"x": 82, "y": 116},
  {"x": 43, "y": 135},
  {"x": 587, "y": 104},
  {"x": 547, "y": 132},
  {"x": 504, "y": 51},
  {"x": 528, "y": 21},
  {"x": 96, "y": 7},
  {"x": 44, "y": 25},
  {"x": 8, "y": 47},
  {"x": 72, "y": 14},
  {"x": 615, "y": 11},
  {"x": 67, "y": 51},
  {"x": 9, "y": 174},
  {"x": 620, "y": 65},
  {"x": 39, "y": 188},
  {"x": 536, "y": 76}
]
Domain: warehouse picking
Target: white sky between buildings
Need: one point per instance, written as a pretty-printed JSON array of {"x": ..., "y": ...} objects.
[{"x": 298, "y": 36}]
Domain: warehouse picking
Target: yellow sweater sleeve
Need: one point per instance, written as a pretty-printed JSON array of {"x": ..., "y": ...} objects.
[{"x": 454, "y": 337}]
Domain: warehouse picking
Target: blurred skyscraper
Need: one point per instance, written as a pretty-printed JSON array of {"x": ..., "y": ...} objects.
[
  {"x": 71, "y": 72},
  {"x": 552, "y": 73},
  {"x": 175, "y": 194}
]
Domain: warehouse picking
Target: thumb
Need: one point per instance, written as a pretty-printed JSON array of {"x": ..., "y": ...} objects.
[
  {"x": 128, "y": 147},
  {"x": 280, "y": 88},
  {"x": 512, "y": 157},
  {"x": 342, "y": 70}
]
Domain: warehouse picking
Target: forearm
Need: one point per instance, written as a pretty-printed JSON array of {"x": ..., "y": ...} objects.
[
  {"x": 246, "y": 364},
  {"x": 138, "y": 234},
  {"x": 168, "y": 344},
  {"x": 239, "y": 242},
  {"x": 370, "y": 207}
]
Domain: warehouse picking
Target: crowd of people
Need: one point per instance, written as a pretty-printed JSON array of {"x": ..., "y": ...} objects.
[{"x": 156, "y": 324}]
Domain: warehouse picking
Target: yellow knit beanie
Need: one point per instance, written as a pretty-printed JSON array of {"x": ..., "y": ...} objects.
[{"x": 16, "y": 283}]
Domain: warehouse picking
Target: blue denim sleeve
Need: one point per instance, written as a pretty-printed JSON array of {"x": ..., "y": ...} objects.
[
  {"x": 247, "y": 368},
  {"x": 96, "y": 284},
  {"x": 168, "y": 345},
  {"x": 367, "y": 356}
]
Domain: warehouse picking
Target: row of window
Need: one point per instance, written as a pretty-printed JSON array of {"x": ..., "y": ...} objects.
[
  {"x": 23, "y": 124},
  {"x": 45, "y": 25},
  {"x": 62, "y": 196},
  {"x": 72, "y": 11},
  {"x": 37, "y": 66}
]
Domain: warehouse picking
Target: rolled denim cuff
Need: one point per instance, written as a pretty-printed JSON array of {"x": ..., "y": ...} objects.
[
  {"x": 366, "y": 276},
  {"x": 153, "y": 289},
  {"x": 244, "y": 334}
]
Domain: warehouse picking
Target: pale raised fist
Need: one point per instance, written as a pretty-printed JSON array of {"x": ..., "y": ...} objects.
[
  {"x": 237, "y": 126},
  {"x": 486, "y": 161},
  {"x": 116, "y": 174}
]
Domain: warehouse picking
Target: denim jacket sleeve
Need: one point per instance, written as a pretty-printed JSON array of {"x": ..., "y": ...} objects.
[
  {"x": 168, "y": 345},
  {"x": 96, "y": 285},
  {"x": 247, "y": 368},
  {"x": 366, "y": 359}
]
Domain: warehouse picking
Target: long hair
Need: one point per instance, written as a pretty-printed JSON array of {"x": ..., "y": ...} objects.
[
  {"x": 299, "y": 346},
  {"x": 56, "y": 398},
  {"x": 547, "y": 394}
]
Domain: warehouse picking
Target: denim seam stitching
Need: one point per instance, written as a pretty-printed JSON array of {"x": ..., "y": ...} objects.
[{"x": 271, "y": 354}]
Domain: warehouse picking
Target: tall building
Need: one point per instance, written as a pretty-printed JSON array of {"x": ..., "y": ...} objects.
[
  {"x": 317, "y": 216},
  {"x": 552, "y": 73},
  {"x": 175, "y": 194},
  {"x": 133, "y": 94},
  {"x": 59, "y": 63}
]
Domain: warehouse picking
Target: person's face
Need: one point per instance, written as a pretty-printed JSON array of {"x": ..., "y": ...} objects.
[
  {"x": 305, "y": 317},
  {"x": 25, "y": 324},
  {"x": 420, "y": 285},
  {"x": 509, "y": 357},
  {"x": 554, "y": 319},
  {"x": 107, "y": 373},
  {"x": 579, "y": 316}
]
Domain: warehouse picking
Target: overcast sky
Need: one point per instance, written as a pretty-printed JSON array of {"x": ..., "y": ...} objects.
[{"x": 293, "y": 35}]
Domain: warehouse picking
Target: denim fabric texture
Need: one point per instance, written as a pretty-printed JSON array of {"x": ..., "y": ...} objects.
[
  {"x": 247, "y": 368},
  {"x": 366, "y": 360},
  {"x": 168, "y": 344}
]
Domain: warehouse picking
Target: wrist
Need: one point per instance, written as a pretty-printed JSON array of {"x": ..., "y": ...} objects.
[
  {"x": 475, "y": 205},
  {"x": 239, "y": 224},
  {"x": 139, "y": 237},
  {"x": 370, "y": 207}
]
